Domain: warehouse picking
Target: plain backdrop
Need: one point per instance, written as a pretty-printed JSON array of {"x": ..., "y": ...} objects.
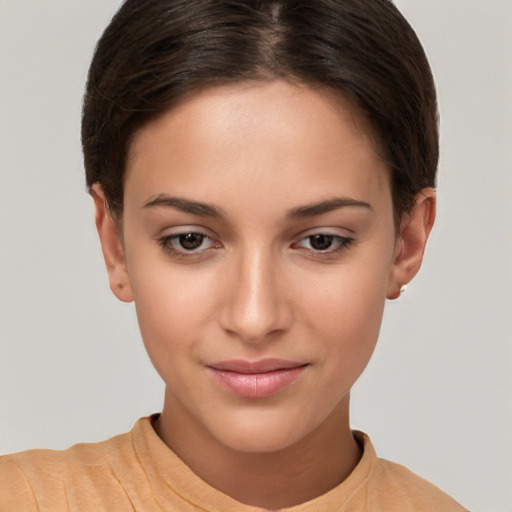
[{"x": 437, "y": 393}]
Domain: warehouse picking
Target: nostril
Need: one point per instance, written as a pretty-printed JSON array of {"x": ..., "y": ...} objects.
[
  {"x": 255, "y": 321},
  {"x": 255, "y": 308}
]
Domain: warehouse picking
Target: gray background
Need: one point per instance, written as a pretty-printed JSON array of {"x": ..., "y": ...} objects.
[{"x": 437, "y": 394}]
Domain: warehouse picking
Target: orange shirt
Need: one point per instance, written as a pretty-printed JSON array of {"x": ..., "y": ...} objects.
[{"x": 136, "y": 471}]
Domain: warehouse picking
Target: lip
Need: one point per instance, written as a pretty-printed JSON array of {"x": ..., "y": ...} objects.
[{"x": 256, "y": 379}]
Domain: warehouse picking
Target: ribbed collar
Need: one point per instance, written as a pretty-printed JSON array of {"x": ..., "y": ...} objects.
[{"x": 169, "y": 475}]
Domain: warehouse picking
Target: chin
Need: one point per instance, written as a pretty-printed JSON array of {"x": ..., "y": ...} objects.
[
  {"x": 259, "y": 433},
  {"x": 258, "y": 442}
]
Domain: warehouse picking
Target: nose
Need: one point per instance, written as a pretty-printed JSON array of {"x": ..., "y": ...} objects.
[{"x": 255, "y": 308}]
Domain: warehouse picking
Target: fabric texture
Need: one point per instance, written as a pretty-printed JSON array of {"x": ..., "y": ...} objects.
[{"x": 136, "y": 471}]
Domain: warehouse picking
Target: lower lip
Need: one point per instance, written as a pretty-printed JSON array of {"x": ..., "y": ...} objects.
[{"x": 257, "y": 385}]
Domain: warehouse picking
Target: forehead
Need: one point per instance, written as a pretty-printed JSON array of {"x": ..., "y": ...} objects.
[{"x": 256, "y": 136}]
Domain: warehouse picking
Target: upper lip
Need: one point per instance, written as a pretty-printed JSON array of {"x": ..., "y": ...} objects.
[{"x": 252, "y": 367}]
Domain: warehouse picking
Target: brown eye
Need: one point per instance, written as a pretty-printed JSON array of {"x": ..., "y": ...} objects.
[
  {"x": 191, "y": 241},
  {"x": 189, "y": 244},
  {"x": 321, "y": 242},
  {"x": 324, "y": 244}
]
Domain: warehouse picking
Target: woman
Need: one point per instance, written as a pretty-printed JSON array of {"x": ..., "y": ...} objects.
[{"x": 263, "y": 175}]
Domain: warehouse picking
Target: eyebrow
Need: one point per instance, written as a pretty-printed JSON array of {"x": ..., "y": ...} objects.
[
  {"x": 185, "y": 205},
  {"x": 208, "y": 210},
  {"x": 311, "y": 210}
]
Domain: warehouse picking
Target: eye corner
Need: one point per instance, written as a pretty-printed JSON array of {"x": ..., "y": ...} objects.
[
  {"x": 323, "y": 243},
  {"x": 188, "y": 244}
]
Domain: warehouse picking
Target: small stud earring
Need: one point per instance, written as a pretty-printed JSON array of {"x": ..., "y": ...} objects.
[{"x": 403, "y": 288}]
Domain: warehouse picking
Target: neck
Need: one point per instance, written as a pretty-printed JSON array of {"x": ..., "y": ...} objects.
[{"x": 284, "y": 478}]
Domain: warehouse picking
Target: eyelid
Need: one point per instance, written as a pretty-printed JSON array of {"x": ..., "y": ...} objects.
[
  {"x": 325, "y": 230},
  {"x": 345, "y": 241},
  {"x": 184, "y": 229},
  {"x": 166, "y": 238}
]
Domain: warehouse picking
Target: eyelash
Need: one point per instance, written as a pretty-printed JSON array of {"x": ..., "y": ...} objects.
[
  {"x": 168, "y": 244},
  {"x": 342, "y": 243}
]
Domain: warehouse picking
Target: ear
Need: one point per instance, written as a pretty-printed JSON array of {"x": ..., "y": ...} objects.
[
  {"x": 112, "y": 246},
  {"x": 410, "y": 245}
]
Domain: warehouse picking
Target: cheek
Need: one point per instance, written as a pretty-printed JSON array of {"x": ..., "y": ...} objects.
[
  {"x": 347, "y": 297},
  {"x": 345, "y": 315},
  {"x": 173, "y": 309}
]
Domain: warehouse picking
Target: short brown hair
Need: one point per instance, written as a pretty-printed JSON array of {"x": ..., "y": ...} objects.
[{"x": 154, "y": 52}]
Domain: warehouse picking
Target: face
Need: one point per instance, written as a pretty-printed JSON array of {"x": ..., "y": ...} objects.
[{"x": 259, "y": 248}]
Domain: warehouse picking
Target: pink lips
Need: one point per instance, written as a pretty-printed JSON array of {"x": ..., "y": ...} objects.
[{"x": 259, "y": 379}]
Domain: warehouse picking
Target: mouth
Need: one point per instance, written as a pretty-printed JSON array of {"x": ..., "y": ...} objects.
[{"x": 256, "y": 379}]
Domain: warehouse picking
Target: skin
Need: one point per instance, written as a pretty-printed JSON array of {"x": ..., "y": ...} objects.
[{"x": 260, "y": 155}]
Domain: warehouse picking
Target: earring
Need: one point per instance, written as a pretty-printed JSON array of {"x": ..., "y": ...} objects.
[{"x": 403, "y": 288}]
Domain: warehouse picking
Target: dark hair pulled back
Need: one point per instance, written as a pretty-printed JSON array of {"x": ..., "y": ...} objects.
[{"x": 154, "y": 52}]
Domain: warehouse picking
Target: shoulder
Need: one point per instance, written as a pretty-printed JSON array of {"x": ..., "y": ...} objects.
[
  {"x": 394, "y": 487},
  {"x": 29, "y": 479},
  {"x": 15, "y": 490},
  {"x": 404, "y": 486},
  {"x": 54, "y": 461}
]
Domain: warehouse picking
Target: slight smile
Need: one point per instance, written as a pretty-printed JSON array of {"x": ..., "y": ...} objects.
[{"x": 256, "y": 379}]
